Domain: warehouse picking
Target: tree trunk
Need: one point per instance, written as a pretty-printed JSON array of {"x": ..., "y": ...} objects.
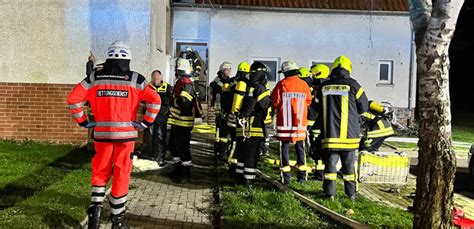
[{"x": 434, "y": 25}]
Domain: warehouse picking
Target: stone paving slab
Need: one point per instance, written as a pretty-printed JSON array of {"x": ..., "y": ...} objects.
[{"x": 155, "y": 201}]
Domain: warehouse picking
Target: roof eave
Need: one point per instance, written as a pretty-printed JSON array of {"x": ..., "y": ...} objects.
[{"x": 285, "y": 10}]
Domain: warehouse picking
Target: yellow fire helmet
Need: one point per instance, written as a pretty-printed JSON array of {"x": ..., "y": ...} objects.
[
  {"x": 342, "y": 62},
  {"x": 320, "y": 71},
  {"x": 244, "y": 67},
  {"x": 304, "y": 72}
]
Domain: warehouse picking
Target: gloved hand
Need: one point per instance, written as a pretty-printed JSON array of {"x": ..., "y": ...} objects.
[
  {"x": 87, "y": 124},
  {"x": 139, "y": 125}
]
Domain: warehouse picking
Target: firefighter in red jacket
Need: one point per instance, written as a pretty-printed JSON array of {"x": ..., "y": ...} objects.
[
  {"x": 341, "y": 102},
  {"x": 251, "y": 128},
  {"x": 114, "y": 94},
  {"x": 184, "y": 107},
  {"x": 290, "y": 100}
]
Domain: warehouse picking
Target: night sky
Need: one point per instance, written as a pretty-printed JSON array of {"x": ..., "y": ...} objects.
[{"x": 461, "y": 54}]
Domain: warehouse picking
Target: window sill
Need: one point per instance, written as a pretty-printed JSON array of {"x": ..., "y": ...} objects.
[{"x": 385, "y": 85}]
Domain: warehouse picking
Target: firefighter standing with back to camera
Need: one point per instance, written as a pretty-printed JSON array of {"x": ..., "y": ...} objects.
[
  {"x": 155, "y": 145},
  {"x": 114, "y": 94},
  {"x": 221, "y": 86},
  {"x": 184, "y": 108},
  {"x": 251, "y": 128},
  {"x": 290, "y": 100},
  {"x": 341, "y": 102}
]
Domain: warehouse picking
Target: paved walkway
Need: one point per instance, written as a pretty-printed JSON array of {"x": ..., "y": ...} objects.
[{"x": 155, "y": 201}]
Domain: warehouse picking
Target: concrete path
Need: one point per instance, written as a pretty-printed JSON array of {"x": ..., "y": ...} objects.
[{"x": 155, "y": 201}]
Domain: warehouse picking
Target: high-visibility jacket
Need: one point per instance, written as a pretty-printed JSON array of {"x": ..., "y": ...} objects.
[
  {"x": 165, "y": 91},
  {"x": 238, "y": 90},
  {"x": 341, "y": 101},
  {"x": 114, "y": 101},
  {"x": 222, "y": 87},
  {"x": 183, "y": 105},
  {"x": 254, "y": 109},
  {"x": 290, "y": 99},
  {"x": 377, "y": 125}
]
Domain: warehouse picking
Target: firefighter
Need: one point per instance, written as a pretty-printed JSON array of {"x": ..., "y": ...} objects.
[
  {"x": 377, "y": 125},
  {"x": 238, "y": 90},
  {"x": 221, "y": 86},
  {"x": 251, "y": 127},
  {"x": 290, "y": 99},
  {"x": 265, "y": 146},
  {"x": 184, "y": 108},
  {"x": 320, "y": 73},
  {"x": 341, "y": 102},
  {"x": 195, "y": 60},
  {"x": 155, "y": 145},
  {"x": 114, "y": 94}
]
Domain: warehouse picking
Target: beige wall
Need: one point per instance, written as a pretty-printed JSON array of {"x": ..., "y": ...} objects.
[{"x": 48, "y": 41}]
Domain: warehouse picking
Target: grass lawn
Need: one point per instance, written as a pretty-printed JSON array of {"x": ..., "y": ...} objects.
[
  {"x": 43, "y": 185},
  {"x": 264, "y": 207},
  {"x": 365, "y": 211}
]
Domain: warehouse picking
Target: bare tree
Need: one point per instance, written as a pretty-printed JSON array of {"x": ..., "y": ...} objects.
[{"x": 434, "y": 22}]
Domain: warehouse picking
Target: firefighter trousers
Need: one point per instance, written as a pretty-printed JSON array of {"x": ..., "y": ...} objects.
[
  {"x": 180, "y": 143},
  {"x": 222, "y": 141},
  {"x": 348, "y": 172},
  {"x": 155, "y": 146},
  {"x": 248, "y": 156},
  {"x": 285, "y": 162},
  {"x": 317, "y": 155},
  {"x": 112, "y": 159}
]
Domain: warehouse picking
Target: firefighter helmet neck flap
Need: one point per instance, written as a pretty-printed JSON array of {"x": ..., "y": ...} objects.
[
  {"x": 118, "y": 58},
  {"x": 258, "y": 73},
  {"x": 342, "y": 67}
]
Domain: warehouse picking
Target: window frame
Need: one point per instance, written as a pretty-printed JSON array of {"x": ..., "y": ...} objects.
[
  {"x": 388, "y": 82},
  {"x": 276, "y": 59}
]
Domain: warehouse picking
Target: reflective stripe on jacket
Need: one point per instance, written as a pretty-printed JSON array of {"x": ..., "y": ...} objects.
[{"x": 290, "y": 99}]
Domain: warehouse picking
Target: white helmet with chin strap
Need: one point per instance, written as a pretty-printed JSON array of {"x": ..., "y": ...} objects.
[{"x": 119, "y": 51}]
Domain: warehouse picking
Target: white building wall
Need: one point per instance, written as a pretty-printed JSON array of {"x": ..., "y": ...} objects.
[
  {"x": 237, "y": 35},
  {"x": 48, "y": 41}
]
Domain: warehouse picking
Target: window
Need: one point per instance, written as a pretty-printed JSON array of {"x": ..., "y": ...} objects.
[
  {"x": 273, "y": 64},
  {"x": 385, "y": 72}
]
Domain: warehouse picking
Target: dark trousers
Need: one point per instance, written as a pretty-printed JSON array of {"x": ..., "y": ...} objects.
[
  {"x": 155, "y": 141},
  {"x": 248, "y": 156},
  {"x": 317, "y": 155},
  {"x": 179, "y": 144},
  {"x": 285, "y": 161},
  {"x": 222, "y": 141},
  {"x": 348, "y": 171}
]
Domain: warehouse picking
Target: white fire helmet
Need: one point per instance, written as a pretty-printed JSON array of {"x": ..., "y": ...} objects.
[
  {"x": 119, "y": 50},
  {"x": 183, "y": 67}
]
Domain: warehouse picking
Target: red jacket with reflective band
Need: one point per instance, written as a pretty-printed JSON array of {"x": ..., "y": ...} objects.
[
  {"x": 114, "y": 100},
  {"x": 290, "y": 99}
]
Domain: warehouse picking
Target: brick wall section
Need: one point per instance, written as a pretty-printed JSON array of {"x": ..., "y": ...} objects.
[{"x": 38, "y": 112}]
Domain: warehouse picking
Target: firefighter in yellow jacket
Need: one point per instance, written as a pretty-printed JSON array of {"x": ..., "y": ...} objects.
[
  {"x": 342, "y": 100},
  {"x": 377, "y": 125},
  {"x": 238, "y": 91},
  {"x": 251, "y": 127}
]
